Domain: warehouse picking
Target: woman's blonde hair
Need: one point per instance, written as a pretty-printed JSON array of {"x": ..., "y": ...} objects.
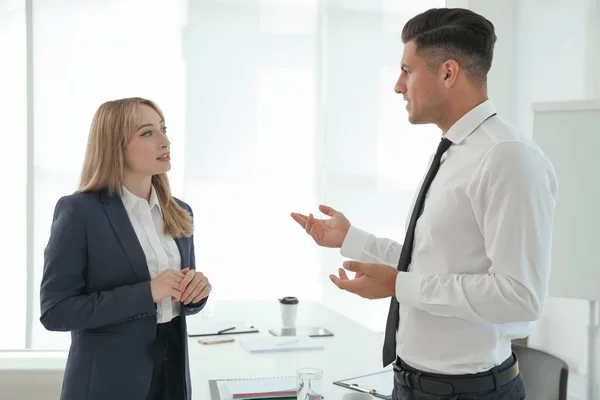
[{"x": 113, "y": 126}]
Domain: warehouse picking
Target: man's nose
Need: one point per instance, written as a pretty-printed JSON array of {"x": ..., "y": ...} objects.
[{"x": 399, "y": 87}]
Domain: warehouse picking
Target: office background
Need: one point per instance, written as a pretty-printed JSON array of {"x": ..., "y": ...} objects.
[{"x": 272, "y": 106}]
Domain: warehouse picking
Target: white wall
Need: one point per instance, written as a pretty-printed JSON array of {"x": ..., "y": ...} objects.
[{"x": 547, "y": 50}]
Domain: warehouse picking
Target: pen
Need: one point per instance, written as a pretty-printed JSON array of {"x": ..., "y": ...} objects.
[
  {"x": 226, "y": 330},
  {"x": 362, "y": 389},
  {"x": 215, "y": 341}
]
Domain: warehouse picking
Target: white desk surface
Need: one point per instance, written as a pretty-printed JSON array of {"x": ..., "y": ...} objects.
[{"x": 354, "y": 350}]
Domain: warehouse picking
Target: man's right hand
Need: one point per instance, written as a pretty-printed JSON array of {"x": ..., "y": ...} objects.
[
  {"x": 166, "y": 284},
  {"x": 325, "y": 232}
]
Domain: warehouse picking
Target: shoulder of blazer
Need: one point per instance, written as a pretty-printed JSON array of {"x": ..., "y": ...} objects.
[
  {"x": 184, "y": 205},
  {"x": 78, "y": 200}
]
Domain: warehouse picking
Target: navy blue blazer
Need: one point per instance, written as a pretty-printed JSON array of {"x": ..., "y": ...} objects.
[{"x": 96, "y": 284}]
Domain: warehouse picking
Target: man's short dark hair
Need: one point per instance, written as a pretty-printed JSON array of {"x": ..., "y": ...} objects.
[{"x": 441, "y": 34}]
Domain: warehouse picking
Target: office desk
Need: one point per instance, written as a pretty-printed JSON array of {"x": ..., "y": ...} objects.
[{"x": 354, "y": 350}]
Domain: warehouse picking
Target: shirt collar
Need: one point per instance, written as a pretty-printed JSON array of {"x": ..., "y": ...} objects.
[
  {"x": 470, "y": 121},
  {"x": 130, "y": 200}
]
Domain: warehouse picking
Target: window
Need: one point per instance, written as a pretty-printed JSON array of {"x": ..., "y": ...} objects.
[
  {"x": 13, "y": 202},
  {"x": 272, "y": 107}
]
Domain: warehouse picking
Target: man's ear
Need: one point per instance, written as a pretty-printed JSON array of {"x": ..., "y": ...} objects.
[{"x": 449, "y": 72}]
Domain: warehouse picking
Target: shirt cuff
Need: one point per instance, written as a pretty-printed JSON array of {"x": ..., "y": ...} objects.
[
  {"x": 354, "y": 243},
  {"x": 408, "y": 288}
]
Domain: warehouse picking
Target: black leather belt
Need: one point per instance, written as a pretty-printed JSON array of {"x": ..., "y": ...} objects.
[{"x": 447, "y": 384}]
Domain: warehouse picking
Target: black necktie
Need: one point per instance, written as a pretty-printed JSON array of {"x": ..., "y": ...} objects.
[{"x": 389, "y": 345}]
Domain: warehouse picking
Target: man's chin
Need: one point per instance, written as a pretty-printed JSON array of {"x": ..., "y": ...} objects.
[
  {"x": 418, "y": 119},
  {"x": 414, "y": 119}
]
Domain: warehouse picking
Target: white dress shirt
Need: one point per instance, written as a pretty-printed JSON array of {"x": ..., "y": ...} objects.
[
  {"x": 160, "y": 250},
  {"x": 481, "y": 257}
]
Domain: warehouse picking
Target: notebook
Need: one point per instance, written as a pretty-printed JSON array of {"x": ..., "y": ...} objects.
[
  {"x": 202, "y": 327},
  {"x": 265, "y": 344},
  {"x": 261, "y": 388}
]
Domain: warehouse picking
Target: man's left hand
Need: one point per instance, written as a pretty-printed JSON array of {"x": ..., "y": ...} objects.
[{"x": 372, "y": 281}]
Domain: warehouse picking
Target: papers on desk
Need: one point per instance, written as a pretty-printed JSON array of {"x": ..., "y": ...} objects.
[
  {"x": 380, "y": 384},
  {"x": 269, "y": 344},
  {"x": 264, "y": 388}
]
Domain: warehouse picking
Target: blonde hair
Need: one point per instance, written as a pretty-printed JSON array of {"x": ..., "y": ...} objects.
[{"x": 112, "y": 128}]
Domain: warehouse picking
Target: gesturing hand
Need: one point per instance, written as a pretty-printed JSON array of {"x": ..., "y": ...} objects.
[
  {"x": 325, "y": 232},
  {"x": 372, "y": 281}
]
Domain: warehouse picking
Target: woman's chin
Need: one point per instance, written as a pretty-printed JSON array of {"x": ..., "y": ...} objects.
[{"x": 165, "y": 167}]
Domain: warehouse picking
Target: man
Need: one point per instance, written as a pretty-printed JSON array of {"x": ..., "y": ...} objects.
[{"x": 473, "y": 270}]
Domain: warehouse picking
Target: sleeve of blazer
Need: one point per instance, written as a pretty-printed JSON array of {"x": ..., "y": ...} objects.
[
  {"x": 193, "y": 308},
  {"x": 65, "y": 305}
]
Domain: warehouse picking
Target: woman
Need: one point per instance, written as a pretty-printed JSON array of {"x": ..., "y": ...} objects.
[{"x": 119, "y": 268}]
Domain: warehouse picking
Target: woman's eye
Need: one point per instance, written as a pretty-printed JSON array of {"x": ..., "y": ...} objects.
[
  {"x": 164, "y": 130},
  {"x": 149, "y": 133}
]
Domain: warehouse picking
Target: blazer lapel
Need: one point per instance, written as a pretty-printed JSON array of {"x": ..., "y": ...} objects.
[
  {"x": 184, "y": 251},
  {"x": 119, "y": 220}
]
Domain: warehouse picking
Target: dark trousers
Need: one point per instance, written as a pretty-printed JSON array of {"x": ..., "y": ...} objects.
[
  {"x": 513, "y": 390},
  {"x": 168, "y": 375}
]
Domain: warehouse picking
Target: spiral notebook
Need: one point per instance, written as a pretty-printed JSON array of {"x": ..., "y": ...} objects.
[{"x": 273, "y": 388}]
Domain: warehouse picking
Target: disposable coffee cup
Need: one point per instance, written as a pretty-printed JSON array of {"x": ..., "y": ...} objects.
[{"x": 289, "y": 312}]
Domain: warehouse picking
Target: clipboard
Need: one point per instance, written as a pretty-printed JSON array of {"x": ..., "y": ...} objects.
[
  {"x": 220, "y": 329},
  {"x": 379, "y": 384}
]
